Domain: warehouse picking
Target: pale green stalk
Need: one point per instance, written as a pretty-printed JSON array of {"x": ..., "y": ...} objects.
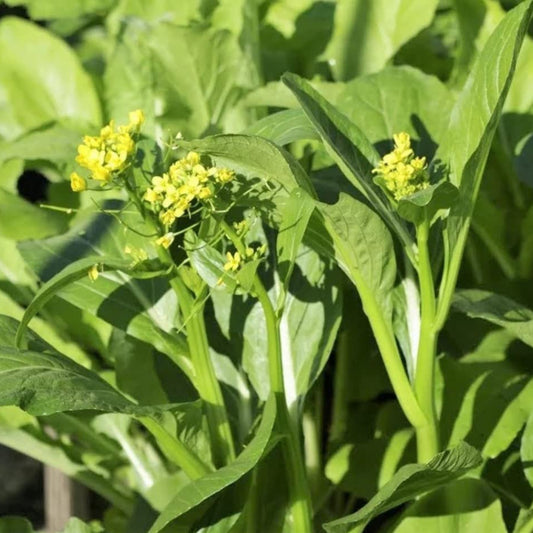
[
  {"x": 301, "y": 507},
  {"x": 426, "y": 436}
]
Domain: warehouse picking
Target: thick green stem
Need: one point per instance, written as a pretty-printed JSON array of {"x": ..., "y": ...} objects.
[
  {"x": 301, "y": 507},
  {"x": 223, "y": 448},
  {"x": 427, "y": 436},
  {"x": 391, "y": 357}
]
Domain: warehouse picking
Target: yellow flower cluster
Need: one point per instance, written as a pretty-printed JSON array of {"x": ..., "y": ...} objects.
[
  {"x": 403, "y": 173},
  {"x": 187, "y": 181},
  {"x": 109, "y": 153},
  {"x": 236, "y": 260}
]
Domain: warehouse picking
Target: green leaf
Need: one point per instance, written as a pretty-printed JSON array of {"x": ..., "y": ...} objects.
[
  {"x": 358, "y": 240},
  {"x": 464, "y": 506},
  {"x": 253, "y": 157},
  {"x": 79, "y": 270},
  {"x": 295, "y": 218},
  {"x": 145, "y": 374},
  {"x": 425, "y": 203},
  {"x": 200, "y": 495},
  {"x": 144, "y": 308},
  {"x": 472, "y": 411},
  {"x": 54, "y": 142},
  {"x": 474, "y": 120},
  {"x": 497, "y": 309},
  {"x": 411, "y": 481},
  {"x": 399, "y": 99},
  {"x": 283, "y": 127},
  {"x": 75, "y": 525},
  {"x": 179, "y": 13},
  {"x": 308, "y": 326},
  {"x": 43, "y": 383},
  {"x": 526, "y": 450},
  {"x": 366, "y": 35},
  {"x": 349, "y": 147},
  {"x": 14, "y": 524},
  {"x": 41, "y": 80},
  {"x": 21, "y": 220},
  {"x": 208, "y": 263},
  {"x": 63, "y": 9},
  {"x": 192, "y": 73}
]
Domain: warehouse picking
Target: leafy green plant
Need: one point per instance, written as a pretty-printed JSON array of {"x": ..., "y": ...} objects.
[{"x": 170, "y": 313}]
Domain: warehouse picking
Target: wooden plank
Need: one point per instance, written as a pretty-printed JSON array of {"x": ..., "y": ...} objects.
[{"x": 63, "y": 498}]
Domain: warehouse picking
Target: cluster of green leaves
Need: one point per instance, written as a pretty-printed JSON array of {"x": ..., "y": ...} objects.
[{"x": 428, "y": 383}]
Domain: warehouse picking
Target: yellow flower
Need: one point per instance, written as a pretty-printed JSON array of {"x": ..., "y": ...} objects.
[
  {"x": 166, "y": 240},
  {"x": 241, "y": 227},
  {"x": 233, "y": 261},
  {"x": 77, "y": 183},
  {"x": 403, "y": 174},
  {"x": 136, "y": 120},
  {"x": 187, "y": 182},
  {"x": 93, "y": 273},
  {"x": 109, "y": 153},
  {"x": 224, "y": 175},
  {"x": 193, "y": 158}
]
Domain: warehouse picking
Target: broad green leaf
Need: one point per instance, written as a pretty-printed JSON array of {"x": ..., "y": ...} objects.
[
  {"x": 464, "y": 506},
  {"x": 425, "y": 203},
  {"x": 191, "y": 73},
  {"x": 179, "y": 13},
  {"x": 283, "y": 127},
  {"x": 277, "y": 94},
  {"x": 473, "y": 122},
  {"x": 63, "y": 9},
  {"x": 526, "y": 450},
  {"x": 44, "y": 383},
  {"x": 14, "y": 524},
  {"x": 295, "y": 218},
  {"x": 145, "y": 309},
  {"x": 476, "y": 19},
  {"x": 44, "y": 337},
  {"x": 21, "y": 220},
  {"x": 34, "y": 89},
  {"x": 363, "y": 468},
  {"x": 201, "y": 493},
  {"x": 254, "y": 157},
  {"x": 399, "y": 99},
  {"x": 500, "y": 310},
  {"x": 308, "y": 326},
  {"x": 473, "y": 412},
  {"x": 145, "y": 374},
  {"x": 411, "y": 481},
  {"x": 349, "y": 147},
  {"x": 54, "y": 142},
  {"x": 360, "y": 243},
  {"x": 78, "y": 270},
  {"x": 366, "y": 35}
]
